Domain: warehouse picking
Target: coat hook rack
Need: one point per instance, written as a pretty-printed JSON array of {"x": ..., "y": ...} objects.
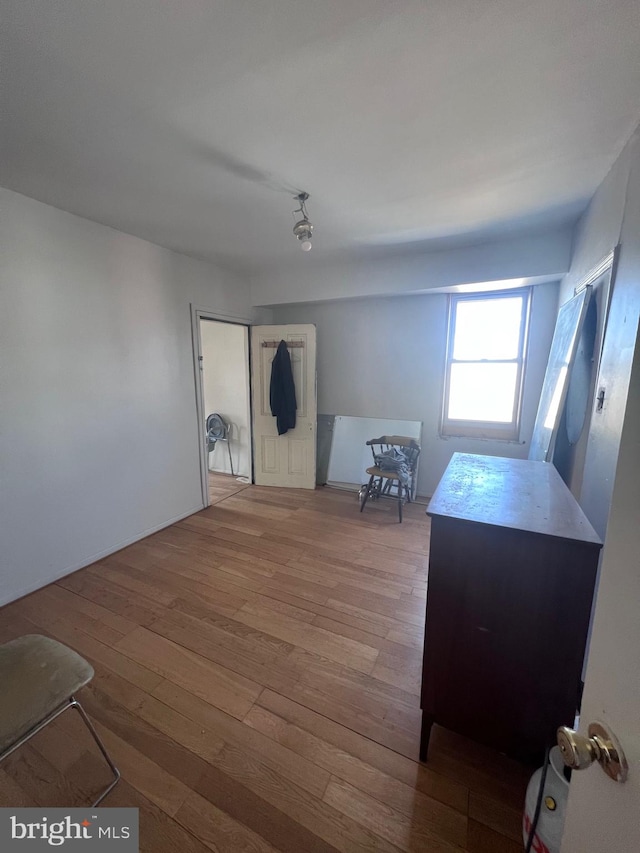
[{"x": 276, "y": 344}]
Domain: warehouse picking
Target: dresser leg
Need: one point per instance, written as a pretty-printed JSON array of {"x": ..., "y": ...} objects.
[{"x": 425, "y": 734}]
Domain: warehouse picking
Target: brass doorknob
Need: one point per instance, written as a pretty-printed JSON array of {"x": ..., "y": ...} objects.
[{"x": 579, "y": 752}]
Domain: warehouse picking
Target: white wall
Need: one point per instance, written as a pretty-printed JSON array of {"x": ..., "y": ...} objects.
[
  {"x": 385, "y": 358},
  {"x": 225, "y": 378},
  {"x": 98, "y": 429},
  {"x": 543, "y": 257},
  {"x": 598, "y": 230}
]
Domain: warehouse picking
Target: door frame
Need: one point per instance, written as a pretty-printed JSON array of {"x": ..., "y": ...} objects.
[{"x": 198, "y": 314}]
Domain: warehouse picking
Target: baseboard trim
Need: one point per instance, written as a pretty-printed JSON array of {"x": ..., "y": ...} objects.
[{"x": 99, "y": 556}]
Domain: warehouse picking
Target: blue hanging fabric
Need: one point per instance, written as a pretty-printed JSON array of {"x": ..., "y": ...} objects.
[{"x": 282, "y": 391}]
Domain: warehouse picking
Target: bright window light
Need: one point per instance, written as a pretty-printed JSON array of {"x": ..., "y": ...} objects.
[
  {"x": 554, "y": 405},
  {"x": 485, "y": 364}
]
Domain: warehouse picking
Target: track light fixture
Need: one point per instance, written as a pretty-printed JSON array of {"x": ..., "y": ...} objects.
[{"x": 303, "y": 229}]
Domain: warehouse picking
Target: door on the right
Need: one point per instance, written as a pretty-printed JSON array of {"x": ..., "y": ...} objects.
[{"x": 604, "y": 816}]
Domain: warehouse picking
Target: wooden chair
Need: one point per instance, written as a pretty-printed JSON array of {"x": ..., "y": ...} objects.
[
  {"x": 39, "y": 678},
  {"x": 382, "y": 481}
]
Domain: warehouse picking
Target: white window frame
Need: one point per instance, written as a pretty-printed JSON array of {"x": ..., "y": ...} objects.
[{"x": 451, "y": 427}]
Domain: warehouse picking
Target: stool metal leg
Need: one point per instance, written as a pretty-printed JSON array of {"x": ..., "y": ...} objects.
[
  {"x": 34, "y": 731},
  {"x": 74, "y": 702},
  {"x": 230, "y": 459}
]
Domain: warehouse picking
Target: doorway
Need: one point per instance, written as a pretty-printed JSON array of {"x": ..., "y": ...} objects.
[{"x": 225, "y": 410}]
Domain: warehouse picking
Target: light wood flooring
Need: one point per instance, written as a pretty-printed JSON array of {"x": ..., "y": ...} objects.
[
  {"x": 222, "y": 486},
  {"x": 257, "y": 679}
]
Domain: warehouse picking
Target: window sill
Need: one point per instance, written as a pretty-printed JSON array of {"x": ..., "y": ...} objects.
[{"x": 480, "y": 436}]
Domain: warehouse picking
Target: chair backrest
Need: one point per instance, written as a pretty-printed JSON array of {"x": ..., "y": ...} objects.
[{"x": 408, "y": 445}]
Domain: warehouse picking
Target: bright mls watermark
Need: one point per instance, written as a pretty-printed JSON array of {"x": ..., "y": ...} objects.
[{"x": 80, "y": 830}]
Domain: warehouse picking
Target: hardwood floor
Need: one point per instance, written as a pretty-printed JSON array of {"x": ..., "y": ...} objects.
[
  {"x": 257, "y": 680},
  {"x": 222, "y": 486}
]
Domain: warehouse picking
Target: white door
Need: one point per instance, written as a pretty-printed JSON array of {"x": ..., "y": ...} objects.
[
  {"x": 289, "y": 459},
  {"x": 603, "y": 816}
]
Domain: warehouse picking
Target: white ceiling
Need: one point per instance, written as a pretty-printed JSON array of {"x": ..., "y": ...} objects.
[{"x": 409, "y": 121}]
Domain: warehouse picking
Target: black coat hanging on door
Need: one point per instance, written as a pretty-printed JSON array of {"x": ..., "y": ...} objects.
[{"x": 282, "y": 392}]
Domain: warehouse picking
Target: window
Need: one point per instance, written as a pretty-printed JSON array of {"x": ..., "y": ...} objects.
[{"x": 485, "y": 364}]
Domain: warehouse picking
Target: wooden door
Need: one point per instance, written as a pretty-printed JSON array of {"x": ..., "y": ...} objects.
[
  {"x": 602, "y": 815},
  {"x": 289, "y": 459}
]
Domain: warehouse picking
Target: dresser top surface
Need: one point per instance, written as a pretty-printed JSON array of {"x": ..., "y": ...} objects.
[{"x": 514, "y": 493}]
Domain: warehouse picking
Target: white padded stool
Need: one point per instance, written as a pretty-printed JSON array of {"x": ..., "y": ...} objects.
[{"x": 39, "y": 678}]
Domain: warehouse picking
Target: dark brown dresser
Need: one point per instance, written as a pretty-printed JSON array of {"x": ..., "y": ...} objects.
[{"x": 512, "y": 568}]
